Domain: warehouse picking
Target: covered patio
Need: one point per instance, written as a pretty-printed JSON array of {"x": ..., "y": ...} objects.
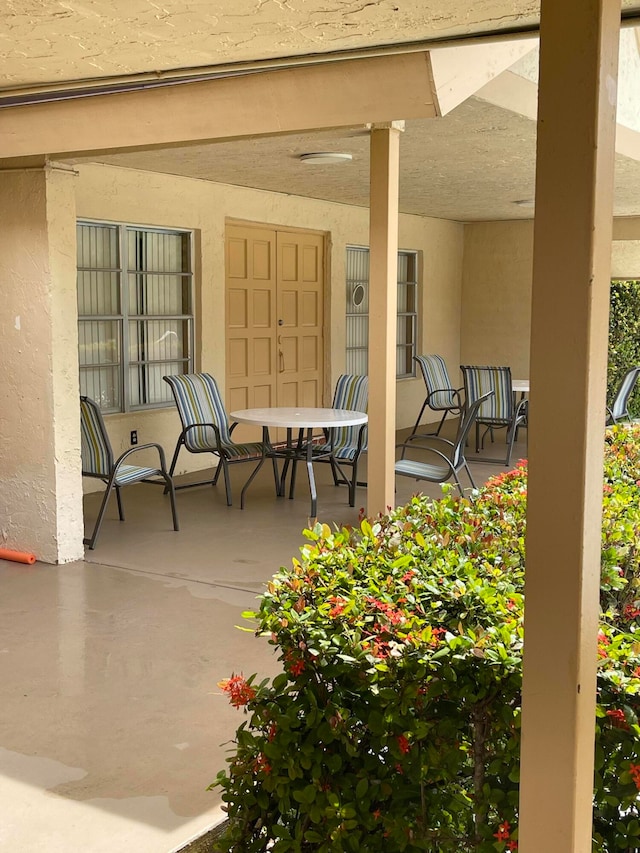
[
  {"x": 112, "y": 723},
  {"x": 85, "y": 100}
]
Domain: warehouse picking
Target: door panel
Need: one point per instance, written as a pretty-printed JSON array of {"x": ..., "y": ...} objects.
[
  {"x": 274, "y": 288},
  {"x": 251, "y": 326},
  {"x": 300, "y": 279}
]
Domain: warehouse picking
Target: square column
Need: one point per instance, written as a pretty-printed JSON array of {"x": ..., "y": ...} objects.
[
  {"x": 40, "y": 470},
  {"x": 383, "y": 301},
  {"x": 570, "y": 310}
]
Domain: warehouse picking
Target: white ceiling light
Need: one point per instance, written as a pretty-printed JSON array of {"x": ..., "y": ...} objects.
[{"x": 326, "y": 157}]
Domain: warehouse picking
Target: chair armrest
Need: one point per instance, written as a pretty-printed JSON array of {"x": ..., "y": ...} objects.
[
  {"x": 214, "y": 427},
  {"x": 127, "y": 453},
  {"x": 429, "y": 450},
  {"x": 455, "y": 393}
]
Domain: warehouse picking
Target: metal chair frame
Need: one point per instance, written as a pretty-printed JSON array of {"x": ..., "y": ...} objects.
[
  {"x": 96, "y": 450},
  {"x": 501, "y": 411},
  {"x": 443, "y": 400},
  {"x": 619, "y": 410},
  {"x": 447, "y": 465},
  {"x": 213, "y": 435}
]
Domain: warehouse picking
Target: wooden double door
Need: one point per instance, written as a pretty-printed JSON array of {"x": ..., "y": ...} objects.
[{"x": 274, "y": 317}]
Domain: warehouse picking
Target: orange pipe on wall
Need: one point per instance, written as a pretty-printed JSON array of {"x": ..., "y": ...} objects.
[{"x": 17, "y": 556}]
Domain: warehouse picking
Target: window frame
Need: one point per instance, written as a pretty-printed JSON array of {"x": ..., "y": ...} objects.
[
  {"x": 412, "y": 315},
  {"x": 124, "y": 271}
]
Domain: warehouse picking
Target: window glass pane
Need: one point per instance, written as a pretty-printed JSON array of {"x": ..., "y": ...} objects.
[
  {"x": 146, "y": 385},
  {"x": 97, "y": 247},
  {"x": 98, "y": 293},
  {"x": 157, "y": 251},
  {"x": 158, "y": 340},
  {"x": 102, "y": 384},
  {"x": 159, "y": 294},
  {"x": 99, "y": 342}
]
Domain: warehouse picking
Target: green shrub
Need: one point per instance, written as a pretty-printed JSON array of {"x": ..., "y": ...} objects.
[
  {"x": 624, "y": 338},
  {"x": 395, "y": 724}
]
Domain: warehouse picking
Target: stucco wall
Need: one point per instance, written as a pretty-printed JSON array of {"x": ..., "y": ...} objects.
[
  {"x": 110, "y": 193},
  {"x": 40, "y": 505},
  {"x": 496, "y": 295},
  {"x": 496, "y": 289}
]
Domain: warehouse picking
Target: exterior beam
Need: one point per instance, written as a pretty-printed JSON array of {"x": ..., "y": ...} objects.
[
  {"x": 338, "y": 94},
  {"x": 383, "y": 300},
  {"x": 570, "y": 309}
]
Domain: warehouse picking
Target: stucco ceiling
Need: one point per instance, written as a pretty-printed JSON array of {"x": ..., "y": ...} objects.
[
  {"x": 44, "y": 41},
  {"x": 472, "y": 164}
]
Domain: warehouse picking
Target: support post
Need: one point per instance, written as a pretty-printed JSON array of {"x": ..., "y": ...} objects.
[
  {"x": 383, "y": 300},
  {"x": 571, "y": 272},
  {"x": 41, "y": 482}
]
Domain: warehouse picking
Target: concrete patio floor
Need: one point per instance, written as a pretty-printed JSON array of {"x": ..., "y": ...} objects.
[{"x": 111, "y": 723}]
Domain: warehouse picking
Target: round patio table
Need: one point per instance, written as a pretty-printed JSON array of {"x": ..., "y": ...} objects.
[{"x": 305, "y": 420}]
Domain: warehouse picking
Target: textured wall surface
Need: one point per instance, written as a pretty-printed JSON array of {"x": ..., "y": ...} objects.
[{"x": 40, "y": 495}]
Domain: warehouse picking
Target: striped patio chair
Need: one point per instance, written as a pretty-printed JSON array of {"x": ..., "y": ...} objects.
[
  {"x": 619, "y": 407},
  {"x": 98, "y": 462},
  {"x": 438, "y": 466},
  {"x": 501, "y": 409},
  {"x": 344, "y": 445},
  {"x": 206, "y": 428},
  {"x": 441, "y": 396}
]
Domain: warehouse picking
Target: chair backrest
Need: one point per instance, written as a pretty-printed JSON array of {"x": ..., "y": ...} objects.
[
  {"x": 436, "y": 379},
  {"x": 352, "y": 392},
  {"x": 199, "y": 402},
  {"x": 97, "y": 455},
  {"x": 467, "y": 420},
  {"x": 499, "y": 407},
  {"x": 621, "y": 400}
]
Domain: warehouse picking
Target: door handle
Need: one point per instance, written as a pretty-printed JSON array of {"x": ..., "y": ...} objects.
[{"x": 281, "y": 357}]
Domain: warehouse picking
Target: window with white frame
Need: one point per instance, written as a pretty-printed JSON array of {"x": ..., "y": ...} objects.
[
  {"x": 135, "y": 313},
  {"x": 358, "y": 311}
]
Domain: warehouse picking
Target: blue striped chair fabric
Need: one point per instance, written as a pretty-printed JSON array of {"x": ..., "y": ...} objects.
[
  {"x": 441, "y": 395},
  {"x": 199, "y": 403},
  {"x": 498, "y": 410},
  {"x": 346, "y": 444},
  {"x": 98, "y": 462},
  {"x": 619, "y": 407},
  {"x": 499, "y": 407},
  {"x": 205, "y": 429},
  {"x": 352, "y": 393}
]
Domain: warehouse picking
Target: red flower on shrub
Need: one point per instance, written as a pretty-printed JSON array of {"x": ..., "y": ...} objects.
[
  {"x": 617, "y": 718},
  {"x": 404, "y": 744},
  {"x": 239, "y": 690},
  {"x": 631, "y": 611},
  {"x": 634, "y": 769},
  {"x": 294, "y": 664},
  {"x": 503, "y": 831},
  {"x": 512, "y": 845},
  {"x": 261, "y": 764},
  {"x": 339, "y": 605}
]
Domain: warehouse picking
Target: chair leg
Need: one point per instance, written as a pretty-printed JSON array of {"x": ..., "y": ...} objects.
[
  {"x": 477, "y": 437},
  {"x": 219, "y": 467},
  {"x": 334, "y": 471},
  {"x": 227, "y": 480},
  {"x": 441, "y": 422},
  {"x": 120, "y": 507},
  {"x": 172, "y": 497},
  {"x": 91, "y": 541},
  {"x": 250, "y": 480},
  {"x": 176, "y": 453},
  {"x": 353, "y": 483},
  {"x": 417, "y": 423},
  {"x": 471, "y": 480},
  {"x": 292, "y": 482},
  {"x": 510, "y": 439},
  {"x": 458, "y": 484}
]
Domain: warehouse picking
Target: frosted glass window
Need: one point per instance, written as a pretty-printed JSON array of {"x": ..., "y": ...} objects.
[
  {"x": 357, "y": 330},
  {"x": 135, "y": 313}
]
